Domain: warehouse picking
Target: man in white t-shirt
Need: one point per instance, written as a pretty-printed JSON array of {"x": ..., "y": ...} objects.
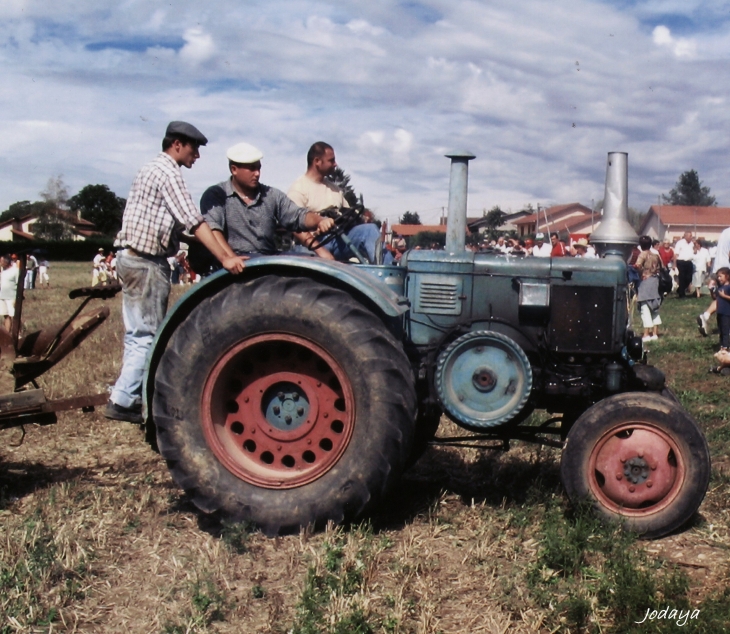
[
  {"x": 8, "y": 291},
  {"x": 98, "y": 265},
  {"x": 541, "y": 249},
  {"x": 684, "y": 253},
  {"x": 315, "y": 192}
]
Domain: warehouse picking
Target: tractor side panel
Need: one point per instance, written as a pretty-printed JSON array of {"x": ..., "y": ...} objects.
[{"x": 563, "y": 304}]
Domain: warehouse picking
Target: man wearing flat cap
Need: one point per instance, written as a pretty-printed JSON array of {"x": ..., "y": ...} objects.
[
  {"x": 158, "y": 207},
  {"x": 244, "y": 213}
]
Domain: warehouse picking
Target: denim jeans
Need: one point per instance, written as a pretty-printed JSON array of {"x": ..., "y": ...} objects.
[
  {"x": 364, "y": 237},
  {"x": 145, "y": 291}
]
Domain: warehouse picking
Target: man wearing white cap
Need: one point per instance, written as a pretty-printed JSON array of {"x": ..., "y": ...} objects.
[
  {"x": 315, "y": 191},
  {"x": 158, "y": 205},
  {"x": 244, "y": 213},
  {"x": 541, "y": 249}
]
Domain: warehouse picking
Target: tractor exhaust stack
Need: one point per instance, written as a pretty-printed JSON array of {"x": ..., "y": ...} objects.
[
  {"x": 616, "y": 237},
  {"x": 456, "y": 224}
]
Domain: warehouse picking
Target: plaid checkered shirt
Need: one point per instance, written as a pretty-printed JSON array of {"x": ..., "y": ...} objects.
[{"x": 158, "y": 207}]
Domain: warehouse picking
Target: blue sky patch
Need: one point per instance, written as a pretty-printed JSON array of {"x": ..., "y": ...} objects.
[
  {"x": 424, "y": 13},
  {"x": 241, "y": 85},
  {"x": 136, "y": 45}
]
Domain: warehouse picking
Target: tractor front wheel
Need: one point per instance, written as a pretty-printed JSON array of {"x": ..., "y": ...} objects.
[{"x": 640, "y": 459}]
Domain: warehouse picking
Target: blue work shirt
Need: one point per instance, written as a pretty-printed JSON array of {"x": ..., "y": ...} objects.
[{"x": 250, "y": 228}]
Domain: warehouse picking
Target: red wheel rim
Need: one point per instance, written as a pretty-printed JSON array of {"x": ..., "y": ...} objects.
[
  {"x": 636, "y": 469},
  {"x": 277, "y": 411}
]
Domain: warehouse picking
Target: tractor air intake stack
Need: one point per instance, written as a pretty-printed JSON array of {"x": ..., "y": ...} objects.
[
  {"x": 616, "y": 237},
  {"x": 456, "y": 227}
]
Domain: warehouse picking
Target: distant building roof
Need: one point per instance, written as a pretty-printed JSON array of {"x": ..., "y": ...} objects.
[
  {"x": 412, "y": 230},
  {"x": 550, "y": 212},
  {"x": 689, "y": 215}
]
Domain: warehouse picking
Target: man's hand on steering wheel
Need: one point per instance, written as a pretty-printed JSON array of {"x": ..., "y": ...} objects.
[
  {"x": 325, "y": 225},
  {"x": 342, "y": 220}
]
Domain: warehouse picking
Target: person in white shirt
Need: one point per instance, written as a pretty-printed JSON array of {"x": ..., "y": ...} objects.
[
  {"x": 684, "y": 253},
  {"x": 701, "y": 263},
  {"x": 541, "y": 249},
  {"x": 501, "y": 246},
  {"x": 8, "y": 290},
  {"x": 98, "y": 265}
]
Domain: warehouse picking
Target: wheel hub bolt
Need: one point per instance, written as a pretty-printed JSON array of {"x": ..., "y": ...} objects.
[
  {"x": 277, "y": 409},
  {"x": 649, "y": 484},
  {"x": 619, "y": 476},
  {"x": 295, "y": 396},
  {"x": 280, "y": 396},
  {"x": 632, "y": 488},
  {"x": 287, "y": 420},
  {"x": 300, "y": 411}
]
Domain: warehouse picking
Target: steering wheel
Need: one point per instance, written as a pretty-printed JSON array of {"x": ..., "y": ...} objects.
[{"x": 345, "y": 219}]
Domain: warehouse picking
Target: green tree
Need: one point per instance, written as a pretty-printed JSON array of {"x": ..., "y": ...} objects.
[
  {"x": 19, "y": 209},
  {"x": 100, "y": 205},
  {"x": 54, "y": 222},
  {"x": 56, "y": 192},
  {"x": 342, "y": 181},
  {"x": 495, "y": 218},
  {"x": 689, "y": 191},
  {"x": 410, "y": 218}
]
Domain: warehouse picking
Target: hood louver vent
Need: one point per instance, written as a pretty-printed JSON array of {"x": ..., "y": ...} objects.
[{"x": 438, "y": 295}]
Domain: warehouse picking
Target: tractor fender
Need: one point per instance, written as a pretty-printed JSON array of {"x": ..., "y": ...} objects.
[{"x": 365, "y": 287}]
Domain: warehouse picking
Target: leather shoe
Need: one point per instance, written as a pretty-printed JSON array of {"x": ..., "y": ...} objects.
[{"x": 127, "y": 414}]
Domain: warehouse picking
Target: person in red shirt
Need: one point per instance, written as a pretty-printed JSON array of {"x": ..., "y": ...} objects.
[
  {"x": 559, "y": 250},
  {"x": 666, "y": 253}
]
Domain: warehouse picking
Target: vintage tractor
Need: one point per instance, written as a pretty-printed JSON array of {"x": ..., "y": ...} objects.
[{"x": 299, "y": 391}]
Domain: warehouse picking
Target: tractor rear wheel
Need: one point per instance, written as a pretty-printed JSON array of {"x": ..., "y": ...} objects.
[
  {"x": 284, "y": 402},
  {"x": 640, "y": 459}
]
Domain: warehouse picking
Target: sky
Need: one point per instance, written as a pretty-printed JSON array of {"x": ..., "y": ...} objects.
[{"x": 539, "y": 91}]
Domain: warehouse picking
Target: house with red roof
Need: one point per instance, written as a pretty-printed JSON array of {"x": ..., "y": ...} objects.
[
  {"x": 21, "y": 229},
  {"x": 672, "y": 221},
  {"x": 572, "y": 218}
]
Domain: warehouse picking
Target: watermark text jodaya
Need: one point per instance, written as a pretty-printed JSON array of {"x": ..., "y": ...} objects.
[{"x": 679, "y": 616}]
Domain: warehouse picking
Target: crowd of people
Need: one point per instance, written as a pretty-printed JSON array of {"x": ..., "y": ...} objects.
[
  {"x": 689, "y": 265},
  {"x": 104, "y": 269},
  {"x": 554, "y": 247}
]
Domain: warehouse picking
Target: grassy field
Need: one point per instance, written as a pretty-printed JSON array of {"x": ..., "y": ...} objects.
[{"x": 97, "y": 538}]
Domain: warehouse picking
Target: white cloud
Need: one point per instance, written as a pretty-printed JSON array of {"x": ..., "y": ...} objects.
[
  {"x": 681, "y": 47},
  {"x": 199, "y": 46},
  {"x": 363, "y": 27}
]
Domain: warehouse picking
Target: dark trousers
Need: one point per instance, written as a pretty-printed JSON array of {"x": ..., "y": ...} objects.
[
  {"x": 723, "y": 325},
  {"x": 685, "y": 268}
]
